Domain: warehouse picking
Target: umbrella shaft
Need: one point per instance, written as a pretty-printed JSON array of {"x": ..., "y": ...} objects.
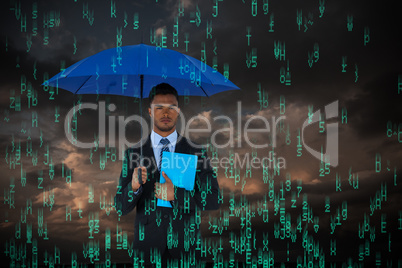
[{"x": 141, "y": 92}]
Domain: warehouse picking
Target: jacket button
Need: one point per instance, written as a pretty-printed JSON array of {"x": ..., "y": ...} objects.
[{"x": 165, "y": 216}]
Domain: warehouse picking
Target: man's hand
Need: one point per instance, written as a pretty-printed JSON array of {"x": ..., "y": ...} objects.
[
  {"x": 164, "y": 191},
  {"x": 134, "y": 181}
]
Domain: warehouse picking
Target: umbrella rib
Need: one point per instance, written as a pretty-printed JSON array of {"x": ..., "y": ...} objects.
[
  {"x": 82, "y": 85},
  {"x": 202, "y": 73},
  {"x": 204, "y": 91}
]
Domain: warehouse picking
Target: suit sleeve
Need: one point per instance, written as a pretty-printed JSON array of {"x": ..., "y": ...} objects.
[
  {"x": 206, "y": 193},
  {"x": 126, "y": 199}
]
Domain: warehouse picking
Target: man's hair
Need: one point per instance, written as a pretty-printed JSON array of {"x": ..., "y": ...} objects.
[{"x": 162, "y": 89}]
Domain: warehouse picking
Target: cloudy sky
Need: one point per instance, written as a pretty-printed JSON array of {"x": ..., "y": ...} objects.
[{"x": 345, "y": 52}]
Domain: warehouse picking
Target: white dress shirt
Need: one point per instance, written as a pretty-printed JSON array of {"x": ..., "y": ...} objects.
[{"x": 155, "y": 140}]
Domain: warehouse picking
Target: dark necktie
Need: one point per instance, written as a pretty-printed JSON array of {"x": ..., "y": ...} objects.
[{"x": 165, "y": 142}]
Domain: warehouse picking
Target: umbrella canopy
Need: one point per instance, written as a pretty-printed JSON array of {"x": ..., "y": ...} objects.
[{"x": 119, "y": 71}]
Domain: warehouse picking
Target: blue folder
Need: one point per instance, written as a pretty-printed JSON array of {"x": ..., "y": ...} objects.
[{"x": 181, "y": 169}]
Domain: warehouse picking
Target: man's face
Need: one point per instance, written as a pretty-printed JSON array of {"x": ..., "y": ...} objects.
[{"x": 164, "y": 112}]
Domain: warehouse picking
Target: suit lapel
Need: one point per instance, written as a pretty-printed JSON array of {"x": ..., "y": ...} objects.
[
  {"x": 147, "y": 149},
  {"x": 180, "y": 145},
  {"x": 149, "y": 159}
]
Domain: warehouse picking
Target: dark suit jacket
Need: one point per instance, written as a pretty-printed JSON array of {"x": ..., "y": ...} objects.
[{"x": 155, "y": 227}]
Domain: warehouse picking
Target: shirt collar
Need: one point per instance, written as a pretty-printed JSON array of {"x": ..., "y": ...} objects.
[{"x": 156, "y": 138}]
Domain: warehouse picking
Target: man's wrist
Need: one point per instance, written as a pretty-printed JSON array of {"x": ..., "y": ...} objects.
[
  {"x": 132, "y": 188},
  {"x": 136, "y": 191}
]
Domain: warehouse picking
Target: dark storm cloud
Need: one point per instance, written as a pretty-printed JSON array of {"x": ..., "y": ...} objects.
[
  {"x": 377, "y": 104},
  {"x": 366, "y": 187},
  {"x": 318, "y": 85},
  {"x": 58, "y": 179},
  {"x": 17, "y": 66}
]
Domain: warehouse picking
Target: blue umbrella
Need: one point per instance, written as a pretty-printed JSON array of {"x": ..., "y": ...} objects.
[{"x": 134, "y": 70}]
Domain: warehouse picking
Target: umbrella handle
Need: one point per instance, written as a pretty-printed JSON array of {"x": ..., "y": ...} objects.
[{"x": 140, "y": 176}]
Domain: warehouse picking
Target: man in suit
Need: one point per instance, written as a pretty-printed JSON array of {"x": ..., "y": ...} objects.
[{"x": 165, "y": 235}]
